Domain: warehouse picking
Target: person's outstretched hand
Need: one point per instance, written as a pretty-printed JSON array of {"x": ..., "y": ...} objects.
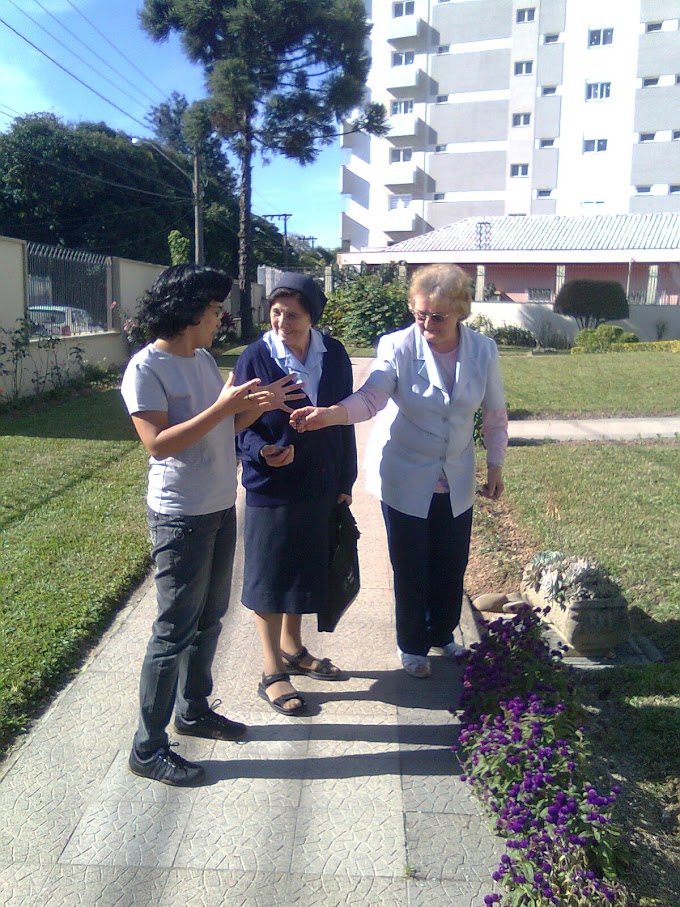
[
  {"x": 312, "y": 418},
  {"x": 284, "y": 390}
]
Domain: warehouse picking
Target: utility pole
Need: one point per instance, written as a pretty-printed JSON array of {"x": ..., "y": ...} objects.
[
  {"x": 285, "y": 232},
  {"x": 309, "y": 239},
  {"x": 196, "y": 180}
]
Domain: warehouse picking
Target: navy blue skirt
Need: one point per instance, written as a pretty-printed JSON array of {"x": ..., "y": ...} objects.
[{"x": 286, "y": 557}]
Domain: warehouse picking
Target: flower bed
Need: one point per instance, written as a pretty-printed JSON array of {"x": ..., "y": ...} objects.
[{"x": 526, "y": 758}]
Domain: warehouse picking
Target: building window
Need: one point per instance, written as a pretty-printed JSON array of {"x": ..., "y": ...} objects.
[
  {"x": 443, "y": 48},
  {"x": 521, "y": 119},
  {"x": 519, "y": 170},
  {"x": 641, "y": 190},
  {"x": 598, "y": 91},
  {"x": 403, "y": 9},
  {"x": 676, "y": 135},
  {"x": 439, "y": 196},
  {"x": 653, "y": 26},
  {"x": 405, "y": 106},
  {"x": 677, "y": 79},
  {"x": 398, "y": 201},
  {"x": 674, "y": 190},
  {"x": 440, "y": 147},
  {"x": 551, "y": 39},
  {"x": 524, "y": 67},
  {"x": 540, "y": 294},
  {"x": 442, "y": 98},
  {"x": 595, "y": 145},
  {"x": 650, "y": 82},
  {"x": 400, "y": 155},
  {"x": 598, "y": 36},
  {"x": 544, "y": 193},
  {"x": 647, "y": 136},
  {"x": 526, "y": 15},
  {"x": 403, "y": 58},
  {"x": 548, "y": 89},
  {"x": 547, "y": 143}
]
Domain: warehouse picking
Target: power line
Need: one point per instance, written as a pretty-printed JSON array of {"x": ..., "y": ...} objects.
[
  {"x": 117, "y": 49},
  {"x": 100, "y": 179},
  {"x": 95, "y": 54},
  {"x": 68, "y": 72},
  {"x": 73, "y": 53}
]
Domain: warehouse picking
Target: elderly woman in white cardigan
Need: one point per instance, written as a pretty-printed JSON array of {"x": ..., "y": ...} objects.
[{"x": 426, "y": 383}]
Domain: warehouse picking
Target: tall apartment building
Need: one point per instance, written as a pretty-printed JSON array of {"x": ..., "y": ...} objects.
[{"x": 515, "y": 107}]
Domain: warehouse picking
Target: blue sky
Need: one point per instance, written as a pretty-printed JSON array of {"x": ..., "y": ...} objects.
[{"x": 143, "y": 74}]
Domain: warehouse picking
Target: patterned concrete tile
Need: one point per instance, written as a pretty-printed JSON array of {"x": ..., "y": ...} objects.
[
  {"x": 447, "y": 894},
  {"x": 342, "y": 891},
  {"x": 43, "y": 798},
  {"x": 21, "y": 883},
  {"x": 238, "y": 835},
  {"x": 368, "y": 841},
  {"x": 104, "y": 886},
  {"x": 209, "y": 888},
  {"x": 132, "y": 822},
  {"x": 459, "y": 848},
  {"x": 439, "y": 794}
]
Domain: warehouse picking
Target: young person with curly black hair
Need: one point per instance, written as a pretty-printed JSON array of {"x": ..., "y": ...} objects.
[{"x": 186, "y": 418}]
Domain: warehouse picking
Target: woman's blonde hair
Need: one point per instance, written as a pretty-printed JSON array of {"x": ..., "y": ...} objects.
[{"x": 443, "y": 283}]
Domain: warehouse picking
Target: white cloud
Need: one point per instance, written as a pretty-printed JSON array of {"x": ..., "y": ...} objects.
[{"x": 21, "y": 92}]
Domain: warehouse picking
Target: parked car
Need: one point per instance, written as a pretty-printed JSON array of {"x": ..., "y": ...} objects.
[{"x": 61, "y": 321}]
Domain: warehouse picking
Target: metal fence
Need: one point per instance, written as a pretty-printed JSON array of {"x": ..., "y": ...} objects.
[{"x": 69, "y": 291}]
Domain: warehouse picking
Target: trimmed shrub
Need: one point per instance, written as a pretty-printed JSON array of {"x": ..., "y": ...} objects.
[
  {"x": 644, "y": 346},
  {"x": 603, "y": 337},
  {"x": 590, "y": 302}
]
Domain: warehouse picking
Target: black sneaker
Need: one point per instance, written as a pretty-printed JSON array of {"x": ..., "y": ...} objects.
[
  {"x": 166, "y": 766},
  {"x": 212, "y": 726}
]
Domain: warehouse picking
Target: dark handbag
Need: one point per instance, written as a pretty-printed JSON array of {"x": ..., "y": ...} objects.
[{"x": 343, "y": 568}]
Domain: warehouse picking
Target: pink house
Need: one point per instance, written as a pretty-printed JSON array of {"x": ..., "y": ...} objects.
[{"x": 528, "y": 258}]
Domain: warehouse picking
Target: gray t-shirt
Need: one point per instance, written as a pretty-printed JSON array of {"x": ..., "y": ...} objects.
[{"x": 202, "y": 478}]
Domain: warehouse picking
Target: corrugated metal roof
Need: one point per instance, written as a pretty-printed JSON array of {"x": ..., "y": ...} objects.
[{"x": 551, "y": 232}]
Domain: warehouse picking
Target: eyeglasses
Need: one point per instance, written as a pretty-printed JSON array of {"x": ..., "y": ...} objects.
[{"x": 435, "y": 317}]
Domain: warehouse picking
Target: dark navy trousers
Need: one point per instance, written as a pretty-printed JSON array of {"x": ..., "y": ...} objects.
[{"x": 429, "y": 557}]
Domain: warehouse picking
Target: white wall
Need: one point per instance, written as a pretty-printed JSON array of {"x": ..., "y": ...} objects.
[
  {"x": 129, "y": 280},
  {"x": 533, "y": 315},
  {"x": 12, "y": 281}
]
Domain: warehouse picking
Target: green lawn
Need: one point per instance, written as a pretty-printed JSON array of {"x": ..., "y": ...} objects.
[
  {"x": 73, "y": 544},
  {"x": 587, "y": 386}
]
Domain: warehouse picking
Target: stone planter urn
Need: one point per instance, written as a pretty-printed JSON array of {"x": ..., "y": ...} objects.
[{"x": 586, "y": 607}]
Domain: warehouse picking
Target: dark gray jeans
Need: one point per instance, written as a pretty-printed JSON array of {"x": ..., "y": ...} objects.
[{"x": 194, "y": 557}]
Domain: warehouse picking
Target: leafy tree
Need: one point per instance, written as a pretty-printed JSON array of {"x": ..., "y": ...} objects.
[
  {"x": 86, "y": 186},
  {"x": 180, "y": 126},
  {"x": 363, "y": 308},
  {"x": 281, "y": 76},
  {"x": 591, "y": 302},
  {"x": 179, "y": 248}
]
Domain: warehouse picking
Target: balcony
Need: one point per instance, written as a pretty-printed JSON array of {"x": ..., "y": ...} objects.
[
  {"x": 399, "y": 220},
  {"x": 403, "y": 77},
  {"x": 400, "y": 174},
  {"x": 404, "y": 27},
  {"x": 404, "y": 124}
]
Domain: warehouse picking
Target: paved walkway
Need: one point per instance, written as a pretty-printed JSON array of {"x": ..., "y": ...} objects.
[
  {"x": 359, "y": 804},
  {"x": 594, "y": 429}
]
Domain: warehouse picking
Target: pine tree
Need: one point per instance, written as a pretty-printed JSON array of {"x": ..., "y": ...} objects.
[{"x": 282, "y": 75}]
